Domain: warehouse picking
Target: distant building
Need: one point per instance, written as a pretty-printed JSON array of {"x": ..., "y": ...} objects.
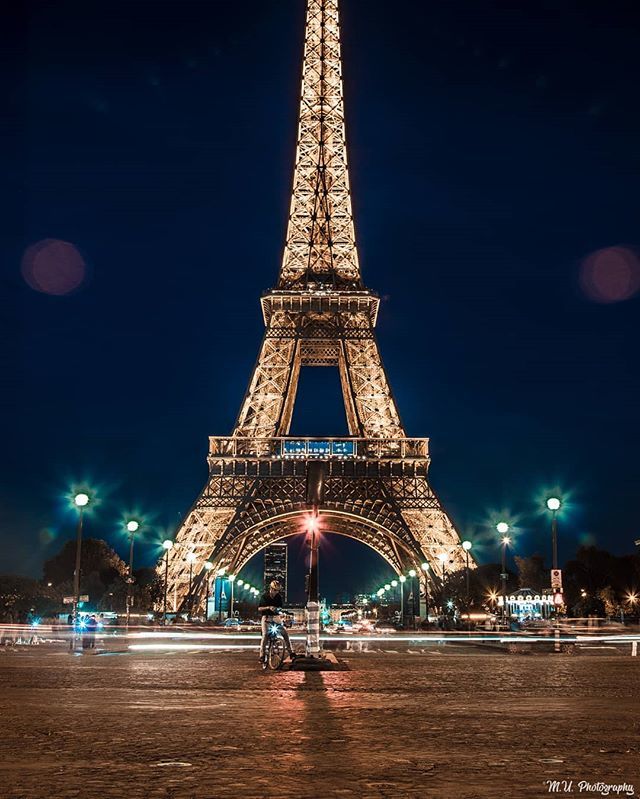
[
  {"x": 275, "y": 565},
  {"x": 525, "y": 603},
  {"x": 362, "y": 600},
  {"x": 343, "y": 610}
]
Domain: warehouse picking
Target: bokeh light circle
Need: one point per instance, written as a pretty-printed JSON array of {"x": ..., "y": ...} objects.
[
  {"x": 610, "y": 275},
  {"x": 53, "y": 267}
]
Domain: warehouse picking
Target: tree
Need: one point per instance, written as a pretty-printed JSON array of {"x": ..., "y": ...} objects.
[
  {"x": 594, "y": 571},
  {"x": 608, "y": 598},
  {"x": 484, "y": 582},
  {"x": 148, "y": 588},
  {"x": 100, "y": 567},
  {"x": 588, "y": 606},
  {"x": 532, "y": 573},
  {"x": 19, "y": 595}
]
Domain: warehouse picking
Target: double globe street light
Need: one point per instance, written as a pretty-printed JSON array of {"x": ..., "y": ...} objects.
[
  {"x": 132, "y": 528},
  {"x": 503, "y": 529}
]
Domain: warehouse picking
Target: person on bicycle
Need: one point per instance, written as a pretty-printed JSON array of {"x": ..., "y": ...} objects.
[{"x": 270, "y": 604}]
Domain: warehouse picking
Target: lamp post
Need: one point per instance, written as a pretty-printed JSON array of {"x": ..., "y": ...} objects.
[
  {"x": 442, "y": 557},
  {"x": 132, "y": 528},
  {"x": 553, "y": 504},
  {"x": 503, "y": 529},
  {"x": 402, "y": 580},
  {"x": 207, "y": 567},
  {"x": 394, "y": 585},
  {"x": 191, "y": 557},
  {"x": 425, "y": 568},
  {"x": 166, "y": 545},
  {"x": 466, "y": 545},
  {"x": 238, "y": 587},
  {"x": 81, "y": 501},
  {"x": 632, "y": 599},
  {"x": 412, "y": 574},
  {"x": 218, "y": 595},
  {"x": 232, "y": 579}
]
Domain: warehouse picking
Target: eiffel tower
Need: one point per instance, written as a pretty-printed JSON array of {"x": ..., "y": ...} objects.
[{"x": 320, "y": 314}]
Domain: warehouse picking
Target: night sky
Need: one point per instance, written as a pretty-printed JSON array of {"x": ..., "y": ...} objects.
[{"x": 495, "y": 168}]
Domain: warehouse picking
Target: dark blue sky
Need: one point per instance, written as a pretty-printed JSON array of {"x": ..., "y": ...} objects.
[{"x": 493, "y": 147}]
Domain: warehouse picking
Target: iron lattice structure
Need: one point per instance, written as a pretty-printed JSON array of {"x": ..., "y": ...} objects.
[{"x": 320, "y": 314}]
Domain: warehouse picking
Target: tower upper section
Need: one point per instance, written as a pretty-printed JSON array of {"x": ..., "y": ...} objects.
[{"x": 320, "y": 249}]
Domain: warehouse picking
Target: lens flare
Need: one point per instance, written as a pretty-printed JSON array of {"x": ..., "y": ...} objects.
[
  {"x": 610, "y": 275},
  {"x": 53, "y": 267}
]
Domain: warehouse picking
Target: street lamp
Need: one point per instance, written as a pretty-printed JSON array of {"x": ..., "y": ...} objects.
[
  {"x": 412, "y": 574},
  {"x": 402, "y": 580},
  {"x": 394, "y": 585},
  {"x": 232, "y": 579},
  {"x": 191, "y": 557},
  {"x": 443, "y": 557},
  {"x": 166, "y": 545},
  {"x": 554, "y": 504},
  {"x": 425, "y": 568},
  {"x": 81, "y": 501},
  {"x": 132, "y": 527},
  {"x": 503, "y": 529},
  {"x": 466, "y": 545},
  {"x": 207, "y": 567}
]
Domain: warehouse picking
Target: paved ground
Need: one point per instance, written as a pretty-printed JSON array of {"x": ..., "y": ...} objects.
[{"x": 211, "y": 725}]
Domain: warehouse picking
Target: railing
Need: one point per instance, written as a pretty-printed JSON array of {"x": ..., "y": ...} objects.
[{"x": 292, "y": 448}]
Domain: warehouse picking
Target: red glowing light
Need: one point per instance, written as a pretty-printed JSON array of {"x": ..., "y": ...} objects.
[
  {"x": 53, "y": 267},
  {"x": 610, "y": 275}
]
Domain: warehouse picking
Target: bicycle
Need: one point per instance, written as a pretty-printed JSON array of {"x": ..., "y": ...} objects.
[{"x": 274, "y": 650}]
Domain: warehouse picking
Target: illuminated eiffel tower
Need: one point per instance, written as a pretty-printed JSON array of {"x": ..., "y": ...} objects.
[{"x": 320, "y": 314}]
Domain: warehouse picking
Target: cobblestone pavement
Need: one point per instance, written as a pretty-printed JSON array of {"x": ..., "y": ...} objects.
[{"x": 209, "y": 725}]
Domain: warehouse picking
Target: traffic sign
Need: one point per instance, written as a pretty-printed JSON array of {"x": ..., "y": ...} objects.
[
  {"x": 68, "y": 600},
  {"x": 556, "y": 579}
]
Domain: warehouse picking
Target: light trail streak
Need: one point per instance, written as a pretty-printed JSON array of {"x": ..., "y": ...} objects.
[{"x": 184, "y": 647}]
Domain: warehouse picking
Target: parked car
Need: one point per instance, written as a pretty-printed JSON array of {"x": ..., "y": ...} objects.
[{"x": 232, "y": 624}]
